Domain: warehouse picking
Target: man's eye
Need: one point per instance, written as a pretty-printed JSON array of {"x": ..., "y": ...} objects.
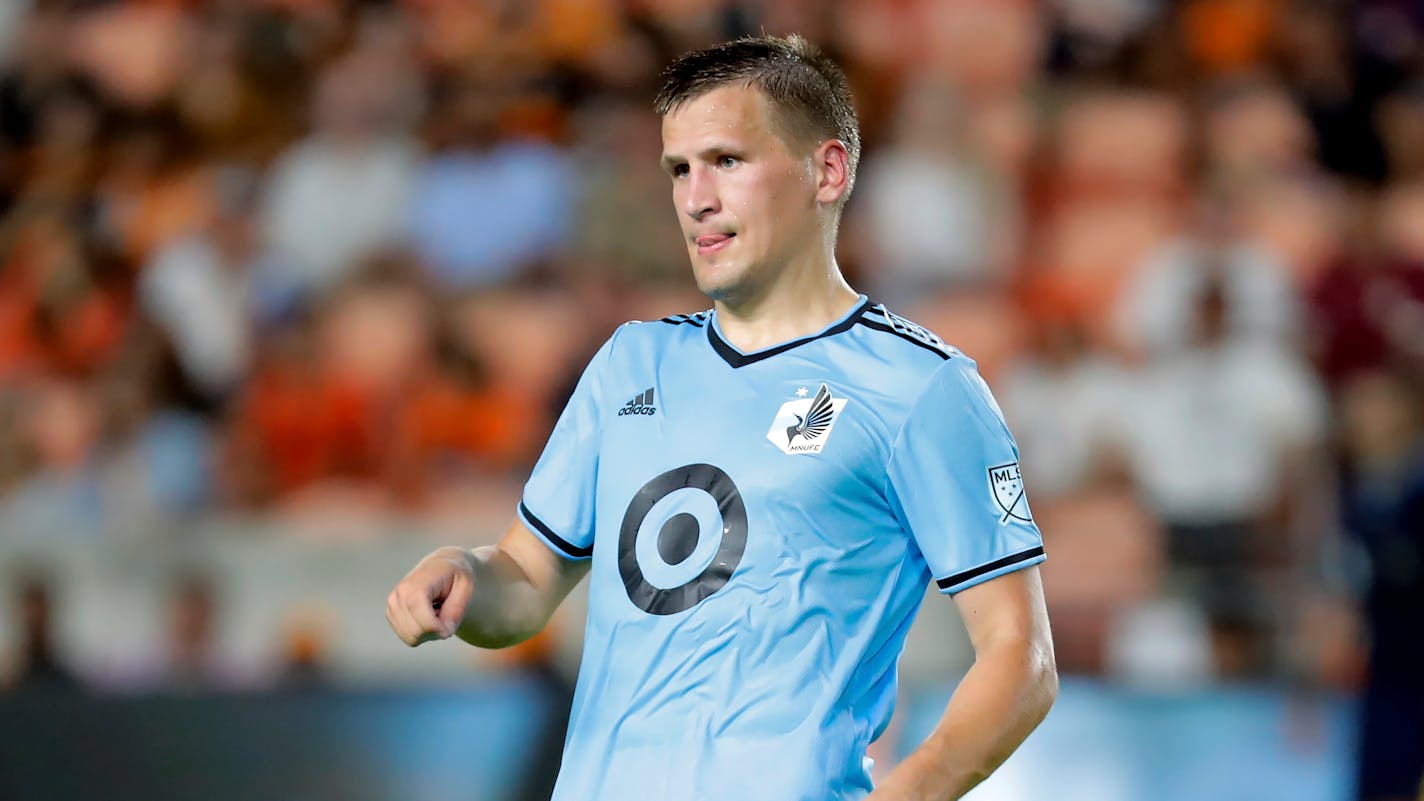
[
  {"x": 679, "y": 171},
  {"x": 727, "y": 162}
]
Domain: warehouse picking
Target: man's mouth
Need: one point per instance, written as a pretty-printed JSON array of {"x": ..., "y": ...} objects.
[{"x": 711, "y": 243}]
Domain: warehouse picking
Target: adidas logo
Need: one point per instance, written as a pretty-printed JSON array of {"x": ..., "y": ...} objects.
[{"x": 642, "y": 403}]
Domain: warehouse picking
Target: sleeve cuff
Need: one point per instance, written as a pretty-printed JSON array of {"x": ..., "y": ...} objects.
[
  {"x": 556, "y": 543},
  {"x": 963, "y": 580}
]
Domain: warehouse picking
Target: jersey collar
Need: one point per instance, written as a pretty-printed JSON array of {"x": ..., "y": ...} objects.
[{"x": 736, "y": 358}]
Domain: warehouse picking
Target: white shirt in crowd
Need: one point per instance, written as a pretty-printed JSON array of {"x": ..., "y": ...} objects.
[
  {"x": 328, "y": 207},
  {"x": 1205, "y": 431},
  {"x": 1156, "y": 310},
  {"x": 204, "y": 306},
  {"x": 1061, "y": 417}
]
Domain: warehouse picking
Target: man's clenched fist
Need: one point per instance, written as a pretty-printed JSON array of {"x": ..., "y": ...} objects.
[{"x": 430, "y": 601}]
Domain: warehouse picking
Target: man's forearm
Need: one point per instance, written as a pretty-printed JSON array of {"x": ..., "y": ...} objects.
[
  {"x": 505, "y": 608},
  {"x": 1002, "y": 698}
]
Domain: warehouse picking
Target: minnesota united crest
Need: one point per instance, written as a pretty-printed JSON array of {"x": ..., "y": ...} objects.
[{"x": 804, "y": 426}]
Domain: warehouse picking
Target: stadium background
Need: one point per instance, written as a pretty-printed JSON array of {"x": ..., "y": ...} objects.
[{"x": 291, "y": 290}]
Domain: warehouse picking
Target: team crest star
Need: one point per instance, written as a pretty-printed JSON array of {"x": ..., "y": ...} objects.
[{"x": 802, "y": 392}]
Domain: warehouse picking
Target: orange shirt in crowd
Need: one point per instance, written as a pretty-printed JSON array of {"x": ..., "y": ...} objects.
[{"x": 294, "y": 429}]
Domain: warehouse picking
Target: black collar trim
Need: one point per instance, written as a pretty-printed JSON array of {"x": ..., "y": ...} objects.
[{"x": 736, "y": 358}]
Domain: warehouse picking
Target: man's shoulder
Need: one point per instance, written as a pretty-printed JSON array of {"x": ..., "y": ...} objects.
[
  {"x": 697, "y": 319},
  {"x": 662, "y": 332},
  {"x": 906, "y": 346}
]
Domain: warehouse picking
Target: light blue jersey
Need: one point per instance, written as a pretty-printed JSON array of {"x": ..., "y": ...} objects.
[{"x": 762, "y": 527}]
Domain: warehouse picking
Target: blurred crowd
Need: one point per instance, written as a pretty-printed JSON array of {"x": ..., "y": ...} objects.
[{"x": 328, "y": 257}]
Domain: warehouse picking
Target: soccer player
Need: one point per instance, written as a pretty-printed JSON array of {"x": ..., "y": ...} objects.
[{"x": 760, "y": 492}]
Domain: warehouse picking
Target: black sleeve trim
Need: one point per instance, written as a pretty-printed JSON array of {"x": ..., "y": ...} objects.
[
  {"x": 1013, "y": 559},
  {"x": 562, "y": 544}
]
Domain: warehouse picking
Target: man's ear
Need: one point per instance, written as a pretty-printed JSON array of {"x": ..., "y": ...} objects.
[{"x": 830, "y": 164}]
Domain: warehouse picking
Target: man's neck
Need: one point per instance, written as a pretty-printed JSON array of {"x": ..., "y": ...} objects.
[{"x": 800, "y": 303}]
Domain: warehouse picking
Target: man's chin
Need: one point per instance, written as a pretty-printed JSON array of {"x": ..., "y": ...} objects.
[
  {"x": 716, "y": 287},
  {"x": 717, "y": 294}
]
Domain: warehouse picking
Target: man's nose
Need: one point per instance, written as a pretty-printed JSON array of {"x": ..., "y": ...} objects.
[{"x": 701, "y": 198}]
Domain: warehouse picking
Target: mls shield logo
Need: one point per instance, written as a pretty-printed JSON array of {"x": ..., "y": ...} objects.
[
  {"x": 803, "y": 426},
  {"x": 1006, "y": 484}
]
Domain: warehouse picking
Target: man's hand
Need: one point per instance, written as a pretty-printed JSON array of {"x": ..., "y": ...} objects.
[
  {"x": 429, "y": 603},
  {"x": 493, "y": 596}
]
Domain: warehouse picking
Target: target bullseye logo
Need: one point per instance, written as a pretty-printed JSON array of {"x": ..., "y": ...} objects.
[{"x": 679, "y": 536}]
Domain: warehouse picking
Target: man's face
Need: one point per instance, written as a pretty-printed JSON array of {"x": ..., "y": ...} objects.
[{"x": 746, "y": 202}]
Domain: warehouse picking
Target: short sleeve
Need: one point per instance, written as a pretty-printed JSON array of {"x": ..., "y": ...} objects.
[
  {"x": 953, "y": 481},
  {"x": 558, "y": 501}
]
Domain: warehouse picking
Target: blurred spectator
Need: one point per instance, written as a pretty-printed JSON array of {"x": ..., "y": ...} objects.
[
  {"x": 1088, "y": 34},
  {"x": 1158, "y": 311},
  {"x": 304, "y": 644},
  {"x": 1216, "y": 435},
  {"x": 231, "y": 112},
  {"x": 1108, "y": 573},
  {"x": 486, "y": 208},
  {"x": 1005, "y": 132},
  {"x": 103, "y": 455},
  {"x": 1228, "y": 36},
  {"x": 551, "y": 332},
  {"x": 621, "y": 182},
  {"x": 157, "y": 443},
  {"x": 1061, "y": 402},
  {"x": 161, "y": 474},
  {"x": 155, "y": 188},
  {"x": 35, "y": 73},
  {"x": 294, "y": 425},
  {"x": 337, "y": 196},
  {"x": 63, "y": 493},
  {"x": 935, "y": 217},
  {"x": 38, "y": 666},
  {"x": 200, "y": 290},
  {"x": 1336, "y": 93},
  {"x": 1367, "y": 310},
  {"x": 385, "y": 47},
  {"x": 1401, "y": 121},
  {"x": 1108, "y": 197},
  {"x": 1121, "y": 143},
  {"x": 984, "y": 322},
  {"x": 458, "y": 426},
  {"x": 1296, "y": 221},
  {"x": 61, "y": 312},
  {"x": 16, "y": 456},
  {"x": 11, "y": 15},
  {"x": 187, "y": 661},
  {"x": 53, "y": 173},
  {"x": 1253, "y": 128},
  {"x": 193, "y": 663},
  {"x": 984, "y": 48},
  {"x": 1383, "y": 508},
  {"x": 1163, "y": 644},
  {"x": 134, "y": 50}
]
